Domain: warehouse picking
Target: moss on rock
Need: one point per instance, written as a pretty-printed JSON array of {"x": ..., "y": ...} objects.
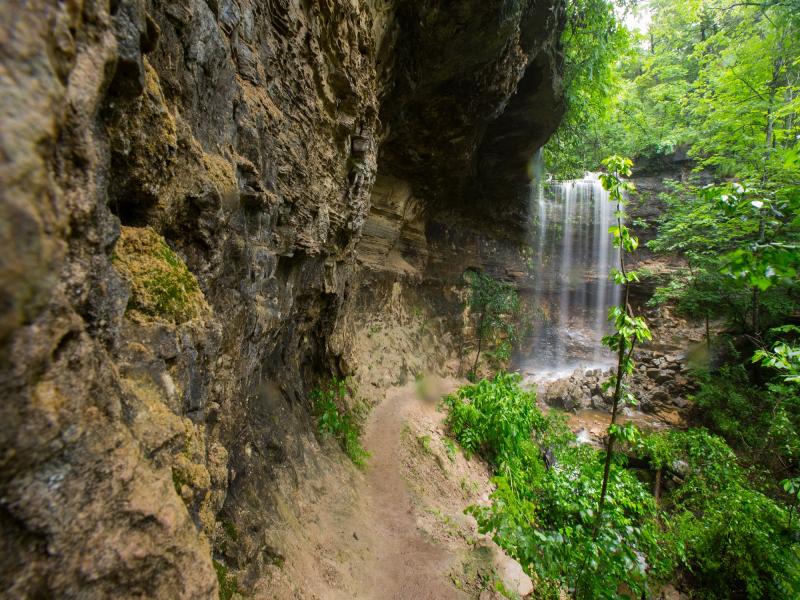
[
  {"x": 161, "y": 284},
  {"x": 228, "y": 584}
]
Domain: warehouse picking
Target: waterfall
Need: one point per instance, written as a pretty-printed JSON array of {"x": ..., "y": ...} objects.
[{"x": 572, "y": 293}]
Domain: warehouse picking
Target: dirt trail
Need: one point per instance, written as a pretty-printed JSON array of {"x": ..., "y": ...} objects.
[
  {"x": 406, "y": 564},
  {"x": 396, "y": 530}
]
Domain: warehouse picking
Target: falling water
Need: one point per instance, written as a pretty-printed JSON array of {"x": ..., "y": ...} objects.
[{"x": 572, "y": 292}]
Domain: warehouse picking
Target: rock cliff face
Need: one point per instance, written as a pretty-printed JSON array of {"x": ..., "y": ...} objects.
[{"x": 204, "y": 203}]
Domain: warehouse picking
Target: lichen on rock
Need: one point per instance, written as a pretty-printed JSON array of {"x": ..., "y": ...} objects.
[{"x": 161, "y": 285}]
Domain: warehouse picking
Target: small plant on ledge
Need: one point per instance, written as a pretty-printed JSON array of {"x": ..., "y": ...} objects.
[
  {"x": 495, "y": 307},
  {"x": 334, "y": 418}
]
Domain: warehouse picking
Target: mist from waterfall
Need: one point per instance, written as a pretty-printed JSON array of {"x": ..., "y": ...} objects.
[{"x": 572, "y": 256}]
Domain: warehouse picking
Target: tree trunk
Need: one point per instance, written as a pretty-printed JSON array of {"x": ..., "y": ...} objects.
[
  {"x": 756, "y": 295},
  {"x": 614, "y": 411},
  {"x": 754, "y": 303},
  {"x": 610, "y": 442},
  {"x": 617, "y": 383},
  {"x": 789, "y": 121},
  {"x": 769, "y": 141},
  {"x": 657, "y": 486},
  {"x": 480, "y": 342}
]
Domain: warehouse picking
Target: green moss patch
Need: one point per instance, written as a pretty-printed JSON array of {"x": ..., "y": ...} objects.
[
  {"x": 228, "y": 584},
  {"x": 161, "y": 284}
]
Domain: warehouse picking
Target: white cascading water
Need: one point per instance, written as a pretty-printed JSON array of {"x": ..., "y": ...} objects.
[{"x": 572, "y": 292}]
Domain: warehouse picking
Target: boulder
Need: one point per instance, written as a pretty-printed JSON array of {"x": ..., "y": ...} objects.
[
  {"x": 680, "y": 402},
  {"x": 600, "y": 403},
  {"x": 568, "y": 394},
  {"x": 659, "y": 395},
  {"x": 663, "y": 376}
]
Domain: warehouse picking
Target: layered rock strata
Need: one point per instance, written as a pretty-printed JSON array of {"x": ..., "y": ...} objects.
[{"x": 270, "y": 166}]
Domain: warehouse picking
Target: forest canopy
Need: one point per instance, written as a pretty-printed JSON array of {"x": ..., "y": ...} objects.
[{"x": 716, "y": 80}]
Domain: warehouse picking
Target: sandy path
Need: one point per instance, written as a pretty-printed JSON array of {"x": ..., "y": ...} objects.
[
  {"x": 405, "y": 565},
  {"x": 365, "y": 535}
]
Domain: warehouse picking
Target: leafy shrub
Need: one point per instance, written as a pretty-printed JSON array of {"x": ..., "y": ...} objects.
[
  {"x": 496, "y": 308},
  {"x": 738, "y": 545},
  {"x": 542, "y": 513},
  {"x": 493, "y": 417},
  {"x": 729, "y": 538},
  {"x": 335, "y": 419},
  {"x": 552, "y": 529},
  {"x": 724, "y": 401},
  {"x": 764, "y": 423},
  {"x": 450, "y": 449},
  {"x": 733, "y": 540}
]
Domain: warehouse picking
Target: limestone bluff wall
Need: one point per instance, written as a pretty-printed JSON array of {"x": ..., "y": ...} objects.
[{"x": 311, "y": 163}]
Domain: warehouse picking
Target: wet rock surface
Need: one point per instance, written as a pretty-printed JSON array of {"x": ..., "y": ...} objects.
[
  {"x": 660, "y": 382},
  {"x": 249, "y": 137}
]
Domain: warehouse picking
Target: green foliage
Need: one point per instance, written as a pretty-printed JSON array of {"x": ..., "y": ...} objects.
[
  {"x": 230, "y": 530},
  {"x": 733, "y": 540},
  {"x": 495, "y": 305},
  {"x": 545, "y": 517},
  {"x": 784, "y": 357},
  {"x": 593, "y": 41},
  {"x": 494, "y": 417},
  {"x": 178, "y": 481},
  {"x": 336, "y": 419},
  {"x": 740, "y": 547},
  {"x": 228, "y": 584},
  {"x": 715, "y": 77},
  {"x": 719, "y": 82},
  {"x": 762, "y": 423},
  {"x": 425, "y": 443},
  {"x": 628, "y": 329},
  {"x": 450, "y": 449},
  {"x": 705, "y": 292},
  {"x": 741, "y": 247}
]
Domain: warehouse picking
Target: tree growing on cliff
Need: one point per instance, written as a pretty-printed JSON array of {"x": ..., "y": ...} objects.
[{"x": 495, "y": 307}]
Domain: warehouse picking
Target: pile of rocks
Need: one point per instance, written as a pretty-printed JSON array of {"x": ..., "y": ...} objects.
[
  {"x": 659, "y": 381},
  {"x": 581, "y": 390}
]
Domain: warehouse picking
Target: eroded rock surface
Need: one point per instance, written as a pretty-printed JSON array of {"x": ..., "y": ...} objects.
[{"x": 298, "y": 160}]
